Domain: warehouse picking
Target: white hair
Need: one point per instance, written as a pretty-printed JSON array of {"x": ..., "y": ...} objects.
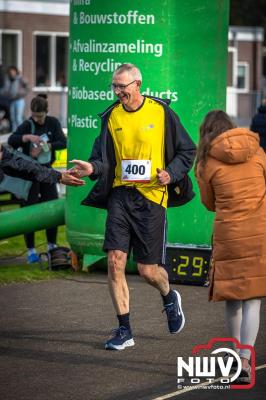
[{"x": 131, "y": 69}]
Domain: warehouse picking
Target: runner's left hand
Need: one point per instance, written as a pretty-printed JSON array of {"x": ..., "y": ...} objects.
[{"x": 163, "y": 176}]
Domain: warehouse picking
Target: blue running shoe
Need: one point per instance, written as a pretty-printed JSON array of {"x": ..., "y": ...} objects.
[
  {"x": 33, "y": 258},
  {"x": 122, "y": 338},
  {"x": 175, "y": 315}
]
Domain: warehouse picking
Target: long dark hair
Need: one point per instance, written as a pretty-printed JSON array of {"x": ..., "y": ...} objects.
[{"x": 214, "y": 124}]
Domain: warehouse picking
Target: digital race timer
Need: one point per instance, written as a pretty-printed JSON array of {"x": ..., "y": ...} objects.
[{"x": 188, "y": 264}]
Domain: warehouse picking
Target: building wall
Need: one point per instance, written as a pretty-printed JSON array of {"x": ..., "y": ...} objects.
[
  {"x": 251, "y": 52},
  {"x": 28, "y": 24},
  {"x": 248, "y": 50},
  {"x": 247, "y": 43}
]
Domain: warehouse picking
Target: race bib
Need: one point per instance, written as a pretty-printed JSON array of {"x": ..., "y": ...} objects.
[{"x": 136, "y": 170}]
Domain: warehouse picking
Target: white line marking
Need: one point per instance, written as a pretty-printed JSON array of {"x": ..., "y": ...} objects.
[
  {"x": 261, "y": 366},
  {"x": 181, "y": 391}
]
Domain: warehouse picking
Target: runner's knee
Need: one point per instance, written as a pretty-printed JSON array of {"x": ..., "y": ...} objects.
[
  {"x": 147, "y": 271},
  {"x": 116, "y": 262}
]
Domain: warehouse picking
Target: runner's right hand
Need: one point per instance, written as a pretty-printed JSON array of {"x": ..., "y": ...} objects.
[{"x": 81, "y": 168}]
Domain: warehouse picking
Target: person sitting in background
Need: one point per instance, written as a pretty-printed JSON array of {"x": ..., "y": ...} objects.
[
  {"x": 39, "y": 137},
  {"x": 15, "y": 90},
  {"x": 258, "y": 124}
]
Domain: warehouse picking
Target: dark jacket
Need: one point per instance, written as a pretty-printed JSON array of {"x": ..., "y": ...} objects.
[
  {"x": 51, "y": 127},
  {"x": 14, "y": 165},
  {"x": 258, "y": 125},
  {"x": 179, "y": 157}
]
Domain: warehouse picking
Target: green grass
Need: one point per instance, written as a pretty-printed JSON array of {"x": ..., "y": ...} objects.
[
  {"x": 7, "y": 196},
  {"x": 13, "y": 254},
  {"x": 15, "y": 246},
  {"x": 28, "y": 273},
  {"x": 13, "y": 268}
]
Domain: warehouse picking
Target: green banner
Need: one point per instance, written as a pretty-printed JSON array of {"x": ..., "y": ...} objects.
[{"x": 181, "y": 50}]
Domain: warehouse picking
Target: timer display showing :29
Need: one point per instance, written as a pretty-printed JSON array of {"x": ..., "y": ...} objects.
[
  {"x": 198, "y": 263},
  {"x": 188, "y": 265}
]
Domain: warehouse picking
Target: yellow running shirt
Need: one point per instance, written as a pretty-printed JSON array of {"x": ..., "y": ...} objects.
[{"x": 138, "y": 138}]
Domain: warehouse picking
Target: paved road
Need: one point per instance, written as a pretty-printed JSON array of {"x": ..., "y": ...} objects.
[{"x": 52, "y": 336}]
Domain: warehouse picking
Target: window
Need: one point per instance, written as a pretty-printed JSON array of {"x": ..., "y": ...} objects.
[
  {"x": 242, "y": 76},
  {"x": 230, "y": 71},
  {"x": 61, "y": 60},
  {"x": 10, "y": 48},
  {"x": 43, "y": 72},
  {"x": 51, "y": 59},
  {"x": 231, "y": 67}
]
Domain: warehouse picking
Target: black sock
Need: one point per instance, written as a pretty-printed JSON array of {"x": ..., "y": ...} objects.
[
  {"x": 169, "y": 298},
  {"x": 124, "y": 320}
]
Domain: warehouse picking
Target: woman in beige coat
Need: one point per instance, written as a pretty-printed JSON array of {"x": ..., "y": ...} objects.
[{"x": 231, "y": 171}]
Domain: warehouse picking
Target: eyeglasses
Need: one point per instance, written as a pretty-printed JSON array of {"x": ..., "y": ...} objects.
[{"x": 115, "y": 86}]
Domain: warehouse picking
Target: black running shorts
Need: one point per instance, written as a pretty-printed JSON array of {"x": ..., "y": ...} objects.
[{"x": 134, "y": 222}]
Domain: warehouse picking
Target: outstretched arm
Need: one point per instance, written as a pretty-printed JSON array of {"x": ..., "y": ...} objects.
[{"x": 14, "y": 165}]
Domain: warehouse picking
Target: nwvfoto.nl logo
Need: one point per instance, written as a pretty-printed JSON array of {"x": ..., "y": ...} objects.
[{"x": 213, "y": 366}]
